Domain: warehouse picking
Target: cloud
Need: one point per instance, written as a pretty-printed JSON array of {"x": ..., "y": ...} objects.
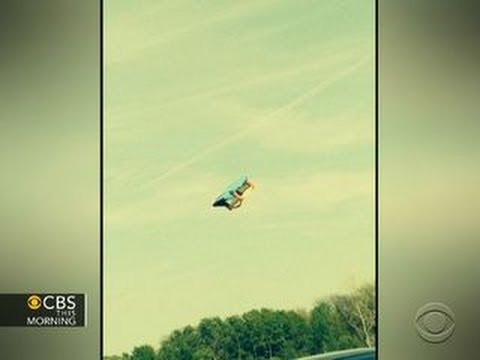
[
  {"x": 136, "y": 33},
  {"x": 191, "y": 193},
  {"x": 313, "y": 191},
  {"x": 305, "y": 133},
  {"x": 258, "y": 123},
  {"x": 330, "y": 56}
]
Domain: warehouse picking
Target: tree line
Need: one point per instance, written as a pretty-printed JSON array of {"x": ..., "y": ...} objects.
[{"x": 339, "y": 322}]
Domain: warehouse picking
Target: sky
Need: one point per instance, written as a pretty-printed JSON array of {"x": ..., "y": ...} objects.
[{"x": 199, "y": 93}]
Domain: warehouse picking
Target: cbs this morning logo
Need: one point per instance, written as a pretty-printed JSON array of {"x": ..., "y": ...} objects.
[{"x": 55, "y": 310}]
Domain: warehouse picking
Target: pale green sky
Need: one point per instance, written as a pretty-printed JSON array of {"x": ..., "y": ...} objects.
[{"x": 196, "y": 93}]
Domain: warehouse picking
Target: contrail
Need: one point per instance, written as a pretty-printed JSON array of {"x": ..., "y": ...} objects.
[
  {"x": 238, "y": 10},
  {"x": 263, "y": 121},
  {"x": 230, "y": 85}
]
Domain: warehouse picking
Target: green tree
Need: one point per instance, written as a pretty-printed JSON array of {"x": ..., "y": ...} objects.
[
  {"x": 357, "y": 312},
  {"x": 180, "y": 345},
  {"x": 204, "y": 353},
  {"x": 330, "y": 333},
  {"x": 145, "y": 352}
]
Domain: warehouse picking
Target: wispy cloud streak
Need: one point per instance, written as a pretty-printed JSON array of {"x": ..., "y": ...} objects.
[{"x": 263, "y": 121}]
